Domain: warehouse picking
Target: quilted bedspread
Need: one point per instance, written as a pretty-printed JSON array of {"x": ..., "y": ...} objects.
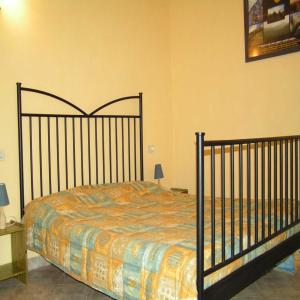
[{"x": 129, "y": 240}]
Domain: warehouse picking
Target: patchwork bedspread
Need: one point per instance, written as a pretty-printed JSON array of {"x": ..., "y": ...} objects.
[{"x": 129, "y": 240}]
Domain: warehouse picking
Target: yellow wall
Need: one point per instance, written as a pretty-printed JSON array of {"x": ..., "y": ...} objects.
[
  {"x": 89, "y": 52},
  {"x": 215, "y": 91}
]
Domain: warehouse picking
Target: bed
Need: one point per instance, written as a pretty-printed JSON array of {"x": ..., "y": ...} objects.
[{"x": 133, "y": 239}]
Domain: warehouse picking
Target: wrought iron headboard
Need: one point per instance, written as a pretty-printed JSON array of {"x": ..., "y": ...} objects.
[{"x": 67, "y": 150}]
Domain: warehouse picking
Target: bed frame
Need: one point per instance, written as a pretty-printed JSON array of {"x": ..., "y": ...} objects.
[
  {"x": 272, "y": 178},
  {"x": 265, "y": 169}
]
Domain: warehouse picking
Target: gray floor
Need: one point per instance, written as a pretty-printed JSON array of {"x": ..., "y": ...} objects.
[{"x": 51, "y": 283}]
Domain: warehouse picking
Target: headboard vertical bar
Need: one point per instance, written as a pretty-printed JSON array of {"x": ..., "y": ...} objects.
[
  {"x": 103, "y": 151},
  {"x": 129, "y": 158},
  {"x": 96, "y": 149},
  {"x": 89, "y": 148},
  {"x": 57, "y": 155},
  {"x": 117, "y": 160},
  {"x": 20, "y": 139},
  {"x": 66, "y": 152},
  {"x": 74, "y": 152},
  {"x": 49, "y": 156},
  {"x": 31, "y": 158},
  {"x": 134, "y": 149},
  {"x": 123, "y": 160},
  {"x": 110, "y": 161},
  {"x": 81, "y": 153},
  {"x": 41, "y": 158},
  {"x": 141, "y": 136}
]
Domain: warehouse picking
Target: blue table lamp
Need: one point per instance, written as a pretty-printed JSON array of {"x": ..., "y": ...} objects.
[
  {"x": 158, "y": 173},
  {"x": 3, "y": 202}
]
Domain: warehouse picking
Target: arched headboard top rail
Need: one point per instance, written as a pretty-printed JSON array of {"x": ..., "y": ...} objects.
[{"x": 37, "y": 91}]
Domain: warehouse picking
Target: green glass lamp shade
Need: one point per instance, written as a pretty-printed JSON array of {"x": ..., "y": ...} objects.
[
  {"x": 3, "y": 195},
  {"x": 158, "y": 173}
]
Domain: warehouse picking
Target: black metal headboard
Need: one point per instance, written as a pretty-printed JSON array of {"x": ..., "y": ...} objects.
[{"x": 60, "y": 151}]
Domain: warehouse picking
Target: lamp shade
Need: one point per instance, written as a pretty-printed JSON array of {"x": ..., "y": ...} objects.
[
  {"x": 158, "y": 173},
  {"x": 3, "y": 195}
]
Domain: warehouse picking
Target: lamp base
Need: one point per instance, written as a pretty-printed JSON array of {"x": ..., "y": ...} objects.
[{"x": 2, "y": 219}]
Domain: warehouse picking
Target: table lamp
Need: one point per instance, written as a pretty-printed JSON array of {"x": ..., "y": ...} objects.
[
  {"x": 158, "y": 173},
  {"x": 3, "y": 202}
]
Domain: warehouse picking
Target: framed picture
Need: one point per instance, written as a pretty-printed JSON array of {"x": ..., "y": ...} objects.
[{"x": 272, "y": 27}]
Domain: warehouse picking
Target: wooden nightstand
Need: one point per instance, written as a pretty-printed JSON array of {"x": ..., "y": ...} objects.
[
  {"x": 180, "y": 190},
  {"x": 18, "y": 267}
]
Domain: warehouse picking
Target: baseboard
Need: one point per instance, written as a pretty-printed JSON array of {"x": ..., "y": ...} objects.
[{"x": 36, "y": 263}]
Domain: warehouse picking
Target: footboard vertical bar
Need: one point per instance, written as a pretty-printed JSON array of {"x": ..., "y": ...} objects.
[
  {"x": 275, "y": 186},
  {"x": 241, "y": 187},
  {"x": 232, "y": 198},
  {"x": 20, "y": 140},
  {"x": 213, "y": 206},
  {"x": 291, "y": 181},
  {"x": 281, "y": 185},
  {"x": 74, "y": 150},
  {"x": 296, "y": 179},
  {"x": 249, "y": 195},
  {"x": 256, "y": 192},
  {"x": 263, "y": 171},
  {"x": 223, "y": 200},
  {"x": 49, "y": 156},
  {"x": 31, "y": 158},
  {"x": 200, "y": 214},
  {"x": 269, "y": 188},
  {"x": 57, "y": 155},
  {"x": 286, "y": 184},
  {"x": 66, "y": 153}
]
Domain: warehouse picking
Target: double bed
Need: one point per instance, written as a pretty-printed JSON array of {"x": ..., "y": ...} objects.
[{"x": 133, "y": 239}]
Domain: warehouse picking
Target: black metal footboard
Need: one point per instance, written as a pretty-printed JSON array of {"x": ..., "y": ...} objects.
[{"x": 247, "y": 195}]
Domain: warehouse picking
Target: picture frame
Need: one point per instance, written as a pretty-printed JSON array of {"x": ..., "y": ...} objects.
[{"x": 272, "y": 28}]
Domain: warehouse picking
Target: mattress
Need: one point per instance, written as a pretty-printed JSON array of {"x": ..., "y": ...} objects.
[{"x": 132, "y": 240}]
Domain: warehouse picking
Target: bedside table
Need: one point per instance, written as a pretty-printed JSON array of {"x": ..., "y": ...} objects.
[
  {"x": 180, "y": 190},
  {"x": 18, "y": 267}
]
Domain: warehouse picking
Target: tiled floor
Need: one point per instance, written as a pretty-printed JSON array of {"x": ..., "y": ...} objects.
[{"x": 51, "y": 283}]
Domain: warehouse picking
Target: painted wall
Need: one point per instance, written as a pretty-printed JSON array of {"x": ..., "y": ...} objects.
[
  {"x": 215, "y": 91},
  {"x": 89, "y": 54}
]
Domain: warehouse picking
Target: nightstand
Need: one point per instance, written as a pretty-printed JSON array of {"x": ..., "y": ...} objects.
[
  {"x": 180, "y": 190},
  {"x": 18, "y": 266}
]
